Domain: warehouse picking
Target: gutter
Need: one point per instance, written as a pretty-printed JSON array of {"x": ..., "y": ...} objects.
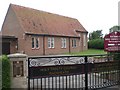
[{"x": 29, "y": 33}]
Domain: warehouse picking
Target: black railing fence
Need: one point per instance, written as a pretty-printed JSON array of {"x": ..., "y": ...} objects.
[{"x": 73, "y": 72}]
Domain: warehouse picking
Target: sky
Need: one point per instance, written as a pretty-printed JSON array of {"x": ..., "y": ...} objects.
[{"x": 92, "y": 14}]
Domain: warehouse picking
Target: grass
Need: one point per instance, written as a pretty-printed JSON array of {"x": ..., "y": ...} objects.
[{"x": 90, "y": 52}]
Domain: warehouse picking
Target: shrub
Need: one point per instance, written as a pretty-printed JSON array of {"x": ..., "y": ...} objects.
[
  {"x": 96, "y": 44},
  {"x": 116, "y": 55},
  {"x": 6, "y": 80}
]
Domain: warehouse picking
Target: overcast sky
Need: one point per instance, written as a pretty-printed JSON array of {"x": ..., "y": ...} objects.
[{"x": 92, "y": 14}]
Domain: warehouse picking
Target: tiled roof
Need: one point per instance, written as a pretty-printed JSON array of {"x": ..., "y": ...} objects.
[{"x": 41, "y": 22}]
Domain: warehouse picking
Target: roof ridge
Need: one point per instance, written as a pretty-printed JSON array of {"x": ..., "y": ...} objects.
[
  {"x": 41, "y": 11},
  {"x": 42, "y": 22}
]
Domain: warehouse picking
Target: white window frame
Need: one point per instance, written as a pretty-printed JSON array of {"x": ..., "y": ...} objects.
[
  {"x": 74, "y": 43},
  {"x": 63, "y": 42},
  {"x": 51, "y": 42},
  {"x": 35, "y": 42}
]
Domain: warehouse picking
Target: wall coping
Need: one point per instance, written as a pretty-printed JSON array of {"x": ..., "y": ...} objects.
[{"x": 17, "y": 55}]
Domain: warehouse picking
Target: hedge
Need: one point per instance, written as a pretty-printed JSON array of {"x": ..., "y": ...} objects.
[
  {"x": 6, "y": 80},
  {"x": 96, "y": 44},
  {"x": 116, "y": 55}
]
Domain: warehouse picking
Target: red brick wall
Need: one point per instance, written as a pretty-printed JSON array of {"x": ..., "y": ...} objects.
[
  {"x": 11, "y": 27},
  {"x": 82, "y": 47},
  {"x": 57, "y": 46},
  {"x": 13, "y": 46},
  {"x": 50, "y": 51},
  {"x": 77, "y": 48},
  {"x": 28, "y": 46}
]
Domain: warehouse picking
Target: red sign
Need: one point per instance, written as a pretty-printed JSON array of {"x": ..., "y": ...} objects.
[{"x": 112, "y": 42}]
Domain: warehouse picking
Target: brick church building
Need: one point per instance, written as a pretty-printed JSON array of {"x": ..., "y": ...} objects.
[{"x": 36, "y": 32}]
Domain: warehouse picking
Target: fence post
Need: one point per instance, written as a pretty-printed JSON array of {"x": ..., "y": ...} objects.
[
  {"x": 28, "y": 74},
  {"x": 119, "y": 73},
  {"x": 86, "y": 73}
]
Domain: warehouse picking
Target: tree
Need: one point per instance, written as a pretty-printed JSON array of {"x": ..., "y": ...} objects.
[
  {"x": 114, "y": 28},
  {"x": 96, "y": 40},
  {"x": 96, "y": 35}
]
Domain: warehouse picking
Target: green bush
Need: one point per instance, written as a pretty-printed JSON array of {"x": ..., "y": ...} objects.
[
  {"x": 96, "y": 44},
  {"x": 116, "y": 55},
  {"x": 6, "y": 80}
]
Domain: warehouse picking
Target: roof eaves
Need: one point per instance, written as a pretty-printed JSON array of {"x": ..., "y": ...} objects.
[
  {"x": 51, "y": 35},
  {"x": 81, "y": 31},
  {"x": 8, "y": 37}
]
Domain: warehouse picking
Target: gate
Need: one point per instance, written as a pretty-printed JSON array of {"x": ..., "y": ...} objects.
[{"x": 73, "y": 72}]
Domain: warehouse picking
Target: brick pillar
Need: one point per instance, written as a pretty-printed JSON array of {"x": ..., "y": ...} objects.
[{"x": 18, "y": 70}]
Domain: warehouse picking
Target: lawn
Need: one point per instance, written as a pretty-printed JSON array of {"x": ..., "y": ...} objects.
[{"x": 90, "y": 52}]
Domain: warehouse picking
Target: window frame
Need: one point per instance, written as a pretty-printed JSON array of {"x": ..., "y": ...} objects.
[
  {"x": 51, "y": 42},
  {"x": 74, "y": 43},
  {"x": 63, "y": 43},
  {"x": 35, "y": 43}
]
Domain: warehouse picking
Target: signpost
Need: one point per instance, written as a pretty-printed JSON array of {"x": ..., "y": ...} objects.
[
  {"x": 59, "y": 70},
  {"x": 112, "y": 42}
]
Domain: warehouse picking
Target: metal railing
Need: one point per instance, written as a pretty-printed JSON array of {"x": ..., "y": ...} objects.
[{"x": 73, "y": 72}]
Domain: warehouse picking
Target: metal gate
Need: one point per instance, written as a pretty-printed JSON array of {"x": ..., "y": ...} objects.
[{"x": 73, "y": 72}]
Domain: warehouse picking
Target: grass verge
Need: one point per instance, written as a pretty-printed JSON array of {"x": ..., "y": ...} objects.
[{"x": 90, "y": 52}]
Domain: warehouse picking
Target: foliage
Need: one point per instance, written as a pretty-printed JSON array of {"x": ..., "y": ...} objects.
[
  {"x": 0, "y": 72},
  {"x": 116, "y": 55},
  {"x": 96, "y": 44},
  {"x": 96, "y": 40},
  {"x": 95, "y": 35},
  {"x": 114, "y": 28},
  {"x": 6, "y": 81}
]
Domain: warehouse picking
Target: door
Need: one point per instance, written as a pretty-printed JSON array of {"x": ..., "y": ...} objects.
[{"x": 6, "y": 48}]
